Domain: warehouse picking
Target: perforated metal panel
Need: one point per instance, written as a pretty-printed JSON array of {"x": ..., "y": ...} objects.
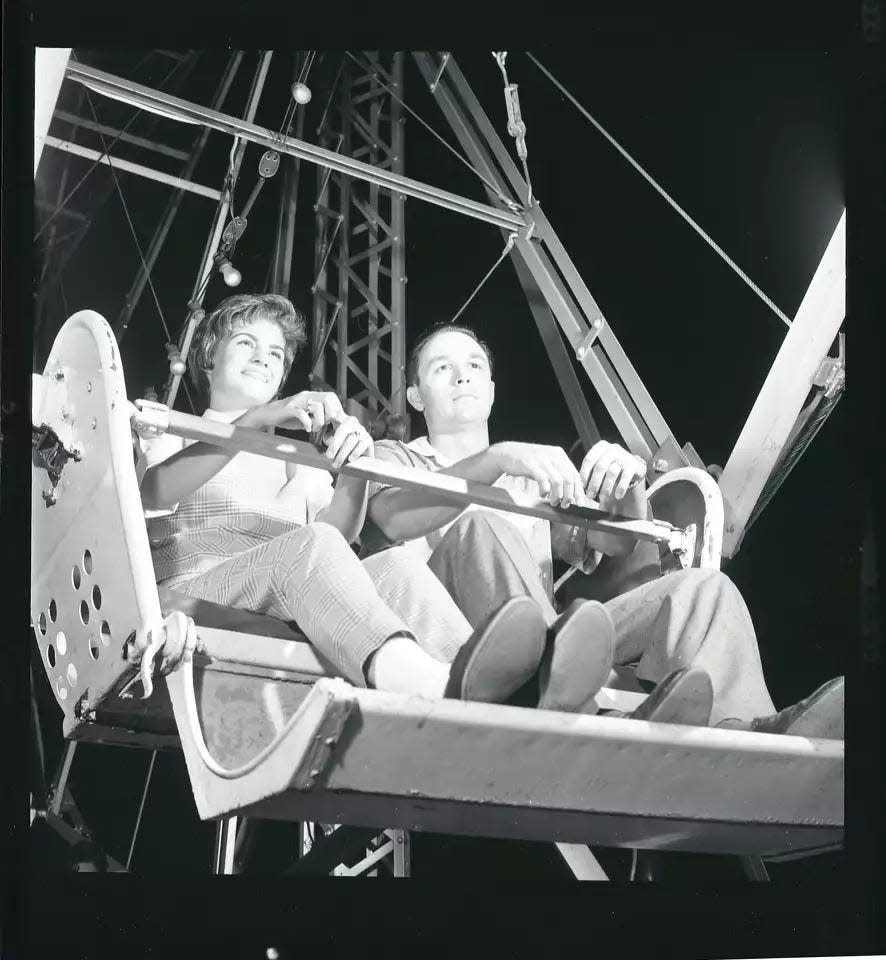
[{"x": 92, "y": 581}]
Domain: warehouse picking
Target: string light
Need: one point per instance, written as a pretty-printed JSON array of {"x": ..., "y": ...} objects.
[
  {"x": 230, "y": 274},
  {"x": 301, "y": 93}
]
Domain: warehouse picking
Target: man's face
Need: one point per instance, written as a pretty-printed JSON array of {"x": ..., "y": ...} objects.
[
  {"x": 455, "y": 385},
  {"x": 247, "y": 366}
]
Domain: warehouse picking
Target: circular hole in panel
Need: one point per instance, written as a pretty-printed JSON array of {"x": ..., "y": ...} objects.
[
  {"x": 61, "y": 689},
  {"x": 87, "y": 561},
  {"x": 41, "y": 623},
  {"x": 72, "y": 674},
  {"x": 94, "y": 648},
  {"x": 50, "y": 655},
  {"x": 75, "y": 577},
  {"x": 84, "y": 612},
  {"x": 53, "y": 610},
  {"x": 106, "y": 633},
  {"x": 61, "y": 643},
  {"x": 96, "y": 597}
]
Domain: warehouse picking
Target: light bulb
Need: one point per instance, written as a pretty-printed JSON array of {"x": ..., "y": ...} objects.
[
  {"x": 301, "y": 93},
  {"x": 177, "y": 367},
  {"x": 230, "y": 273}
]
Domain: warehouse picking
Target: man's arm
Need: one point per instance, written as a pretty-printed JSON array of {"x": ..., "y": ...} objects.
[
  {"x": 175, "y": 478},
  {"x": 615, "y": 478},
  {"x": 406, "y": 514}
]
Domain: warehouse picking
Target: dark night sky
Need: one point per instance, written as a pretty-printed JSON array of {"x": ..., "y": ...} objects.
[{"x": 750, "y": 142}]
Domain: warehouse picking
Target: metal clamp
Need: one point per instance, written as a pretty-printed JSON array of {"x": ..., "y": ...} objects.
[
  {"x": 682, "y": 544},
  {"x": 150, "y": 419},
  {"x": 516, "y": 126}
]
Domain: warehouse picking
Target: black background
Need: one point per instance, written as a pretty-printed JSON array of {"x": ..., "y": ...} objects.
[{"x": 746, "y": 125}]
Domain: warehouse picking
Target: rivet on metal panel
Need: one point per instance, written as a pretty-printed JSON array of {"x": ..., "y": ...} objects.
[
  {"x": 92, "y": 423},
  {"x": 315, "y": 772},
  {"x": 89, "y": 387},
  {"x": 660, "y": 465},
  {"x": 330, "y": 741}
]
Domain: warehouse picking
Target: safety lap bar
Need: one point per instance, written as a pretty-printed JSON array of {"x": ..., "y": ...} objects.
[{"x": 151, "y": 419}]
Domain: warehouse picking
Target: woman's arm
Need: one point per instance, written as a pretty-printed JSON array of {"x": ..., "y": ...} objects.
[
  {"x": 175, "y": 478},
  {"x": 178, "y": 476},
  {"x": 347, "y": 509}
]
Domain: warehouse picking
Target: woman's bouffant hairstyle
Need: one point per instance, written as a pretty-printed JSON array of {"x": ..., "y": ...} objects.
[{"x": 240, "y": 311}]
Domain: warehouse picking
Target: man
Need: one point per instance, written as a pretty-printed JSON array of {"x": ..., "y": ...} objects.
[{"x": 689, "y": 618}]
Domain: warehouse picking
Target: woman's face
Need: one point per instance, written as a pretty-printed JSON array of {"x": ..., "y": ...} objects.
[{"x": 247, "y": 366}]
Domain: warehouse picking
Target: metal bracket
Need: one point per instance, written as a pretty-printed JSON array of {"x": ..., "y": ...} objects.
[
  {"x": 682, "y": 544},
  {"x": 831, "y": 374},
  {"x": 150, "y": 419},
  {"x": 589, "y": 338},
  {"x": 50, "y": 454},
  {"x": 233, "y": 231},
  {"x": 319, "y": 754}
]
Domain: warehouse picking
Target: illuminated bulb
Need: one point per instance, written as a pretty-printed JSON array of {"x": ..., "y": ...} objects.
[
  {"x": 230, "y": 273},
  {"x": 300, "y": 93},
  {"x": 177, "y": 367}
]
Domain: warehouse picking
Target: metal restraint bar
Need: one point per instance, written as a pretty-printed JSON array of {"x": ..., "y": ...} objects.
[{"x": 154, "y": 418}]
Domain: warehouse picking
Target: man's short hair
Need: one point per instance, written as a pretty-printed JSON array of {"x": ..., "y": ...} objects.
[
  {"x": 428, "y": 335},
  {"x": 239, "y": 311}
]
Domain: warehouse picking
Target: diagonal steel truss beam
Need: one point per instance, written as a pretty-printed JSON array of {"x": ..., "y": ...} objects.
[
  {"x": 548, "y": 274},
  {"x": 173, "y": 107}
]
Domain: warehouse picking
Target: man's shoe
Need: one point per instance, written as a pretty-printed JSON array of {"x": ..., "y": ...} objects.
[
  {"x": 578, "y": 658},
  {"x": 685, "y": 696},
  {"x": 501, "y": 655},
  {"x": 819, "y": 715}
]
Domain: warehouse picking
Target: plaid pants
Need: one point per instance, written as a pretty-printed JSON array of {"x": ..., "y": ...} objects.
[
  {"x": 689, "y": 618},
  {"x": 346, "y": 608}
]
